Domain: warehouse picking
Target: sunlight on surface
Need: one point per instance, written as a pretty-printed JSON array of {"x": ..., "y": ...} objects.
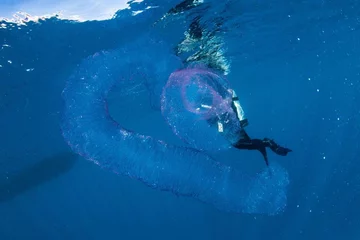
[{"x": 79, "y": 10}]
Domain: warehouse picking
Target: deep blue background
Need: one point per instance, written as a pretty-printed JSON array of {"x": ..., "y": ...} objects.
[{"x": 296, "y": 67}]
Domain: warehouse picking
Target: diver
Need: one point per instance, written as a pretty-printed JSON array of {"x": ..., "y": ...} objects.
[{"x": 246, "y": 142}]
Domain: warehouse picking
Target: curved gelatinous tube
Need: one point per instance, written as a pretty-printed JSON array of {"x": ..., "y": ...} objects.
[
  {"x": 196, "y": 104},
  {"x": 91, "y": 132}
]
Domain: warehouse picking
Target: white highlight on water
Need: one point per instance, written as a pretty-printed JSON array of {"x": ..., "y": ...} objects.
[{"x": 79, "y": 10}]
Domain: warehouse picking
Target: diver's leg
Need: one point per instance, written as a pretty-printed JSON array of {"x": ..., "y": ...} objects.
[
  {"x": 253, "y": 144},
  {"x": 248, "y": 144},
  {"x": 244, "y": 135},
  {"x": 263, "y": 152},
  {"x": 276, "y": 148}
]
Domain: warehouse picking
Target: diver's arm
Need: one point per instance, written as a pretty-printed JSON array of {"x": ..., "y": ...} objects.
[{"x": 238, "y": 109}]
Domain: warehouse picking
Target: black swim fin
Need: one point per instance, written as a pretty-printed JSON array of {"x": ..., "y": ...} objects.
[{"x": 276, "y": 148}]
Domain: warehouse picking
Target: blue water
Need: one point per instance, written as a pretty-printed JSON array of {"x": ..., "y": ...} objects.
[{"x": 295, "y": 67}]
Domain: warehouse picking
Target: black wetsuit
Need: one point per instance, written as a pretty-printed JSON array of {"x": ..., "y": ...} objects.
[
  {"x": 257, "y": 144},
  {"x": 246, "y": 142}
]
